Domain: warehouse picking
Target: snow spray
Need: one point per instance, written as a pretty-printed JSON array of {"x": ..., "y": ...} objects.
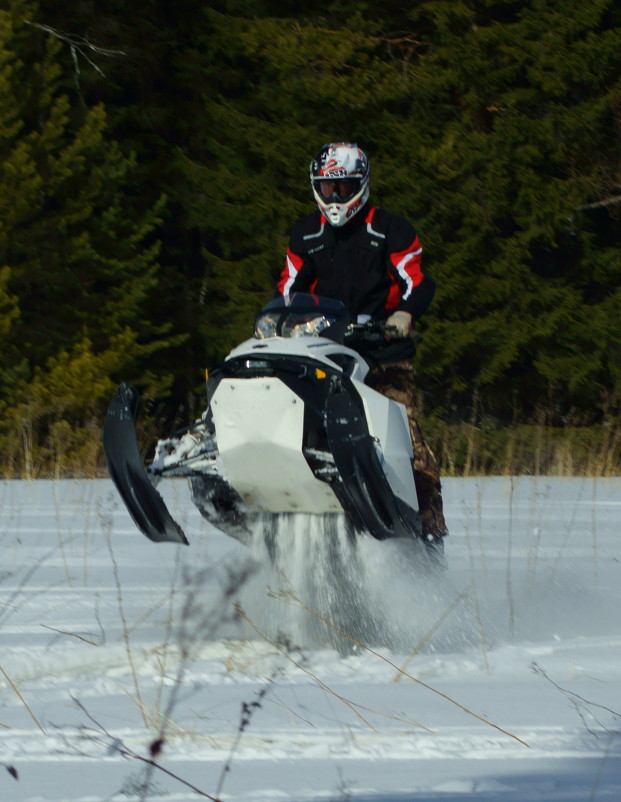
[{"x": 322, "y": 585}]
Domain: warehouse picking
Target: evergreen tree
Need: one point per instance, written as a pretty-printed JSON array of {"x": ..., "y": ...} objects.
[
  {"x": 520, "y": 140},
  {"x": 79, "y": 251},
  {"x": 492, "y": 125}
]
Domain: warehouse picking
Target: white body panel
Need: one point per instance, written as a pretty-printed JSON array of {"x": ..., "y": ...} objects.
[
  {"x": 259, "y": 430},
  {"x": 388, "y": 424},
  {"x": 259, "y": 426},
  {"x": 318, "y": 348}
]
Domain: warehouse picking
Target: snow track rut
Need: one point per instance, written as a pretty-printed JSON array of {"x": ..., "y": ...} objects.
[{"x": 109, "y": 641}]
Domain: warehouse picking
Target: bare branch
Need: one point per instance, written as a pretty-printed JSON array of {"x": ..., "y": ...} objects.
[
  {"x": 116, "y": 745},
  {"x": 70, "y": 634},
  {"x": 576, "y": 699},
  {"x": 247, "y": 712},
  {"x": 78, "y": 46},
  {"x": 611, "y": 201},
  {"x": 79, "y": 42}
]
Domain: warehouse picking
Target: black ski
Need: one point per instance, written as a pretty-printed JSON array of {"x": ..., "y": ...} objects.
[
  {"x": 142, "y": 500},
  {"x": 364, "y": 491}
]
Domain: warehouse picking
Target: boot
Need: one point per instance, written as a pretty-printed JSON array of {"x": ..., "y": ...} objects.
[{"x": 428, "y": 490}]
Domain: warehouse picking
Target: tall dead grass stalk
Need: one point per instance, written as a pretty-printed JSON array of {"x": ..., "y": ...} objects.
[
  {"x": 295, "y": 600},
  {"x": 126, "y": 639},
  {"x": 22, "y": 700}
]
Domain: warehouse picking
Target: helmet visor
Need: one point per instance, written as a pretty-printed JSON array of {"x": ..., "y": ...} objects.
[{"x": 337, "y": 190}]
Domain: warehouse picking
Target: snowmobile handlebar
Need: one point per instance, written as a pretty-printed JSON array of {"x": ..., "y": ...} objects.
[
  {"x": 374, "y": 331},
  {"x": 373, "y": 342}
]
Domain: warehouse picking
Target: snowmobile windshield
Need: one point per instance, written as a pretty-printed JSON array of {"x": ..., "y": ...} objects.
[
  {"x": 301, "y": 315},
  {"x": 305, "y": 325}
]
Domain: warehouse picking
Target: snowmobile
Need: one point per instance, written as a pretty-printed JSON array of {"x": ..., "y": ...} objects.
[{"x": 290, "y": 427}]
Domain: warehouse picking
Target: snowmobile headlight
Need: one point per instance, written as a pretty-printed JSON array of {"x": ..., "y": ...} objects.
[
  {"x": 266, "y": 326},
  {"x": 305, "y": 325}
]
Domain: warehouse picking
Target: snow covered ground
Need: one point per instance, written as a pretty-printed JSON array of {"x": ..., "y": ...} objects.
[{"x": 498, "y": 680}]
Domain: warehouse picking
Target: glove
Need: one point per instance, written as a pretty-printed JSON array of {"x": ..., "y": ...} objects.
[{"x": 402, "y": 323}]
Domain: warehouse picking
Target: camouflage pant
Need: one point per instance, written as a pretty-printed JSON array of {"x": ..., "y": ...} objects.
[{"x": 396, "y": 381}]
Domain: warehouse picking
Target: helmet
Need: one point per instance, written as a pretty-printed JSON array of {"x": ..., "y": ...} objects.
[{"x": 339, "y": 176}]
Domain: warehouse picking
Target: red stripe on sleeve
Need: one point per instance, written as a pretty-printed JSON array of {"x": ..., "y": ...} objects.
[
  {"x": 289, "y": 274},
  {"x": 394, "y": 294},
  {"x": 407, "y": 267}
]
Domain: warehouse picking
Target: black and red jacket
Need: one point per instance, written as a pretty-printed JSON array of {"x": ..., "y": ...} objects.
[{"x": 372, "y": 264}]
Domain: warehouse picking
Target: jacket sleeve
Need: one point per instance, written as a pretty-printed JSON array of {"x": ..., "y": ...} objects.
[
  {"x": 412, "y": 289},
  {"x": 298, "y": 274}
]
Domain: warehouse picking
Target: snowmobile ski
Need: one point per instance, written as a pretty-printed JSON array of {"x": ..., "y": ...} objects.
[
  {"x": 364, "y": 490},
  {"x": 145, "y": 505}
]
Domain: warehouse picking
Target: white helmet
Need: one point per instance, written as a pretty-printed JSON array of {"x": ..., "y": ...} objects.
[{"x": 339, "y": 176}]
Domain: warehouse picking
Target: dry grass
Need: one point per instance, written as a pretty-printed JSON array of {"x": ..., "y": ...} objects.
[
  {"x": 34, "y": 450},
  {"x": 58, "y": 451},
  {"x": 464, "y": 449}
]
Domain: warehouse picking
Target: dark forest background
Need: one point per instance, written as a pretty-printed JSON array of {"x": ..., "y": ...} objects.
[{"x": 154, "y": 155}]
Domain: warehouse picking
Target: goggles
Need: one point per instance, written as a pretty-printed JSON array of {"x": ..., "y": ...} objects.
[{"x": 335, "y": 190}]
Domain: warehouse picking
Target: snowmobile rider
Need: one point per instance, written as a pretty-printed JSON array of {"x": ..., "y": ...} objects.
[{"x": 370, "y": 260}]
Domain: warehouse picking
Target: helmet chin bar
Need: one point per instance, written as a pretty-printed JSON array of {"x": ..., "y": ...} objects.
[{"x": 337, "y": 214}]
